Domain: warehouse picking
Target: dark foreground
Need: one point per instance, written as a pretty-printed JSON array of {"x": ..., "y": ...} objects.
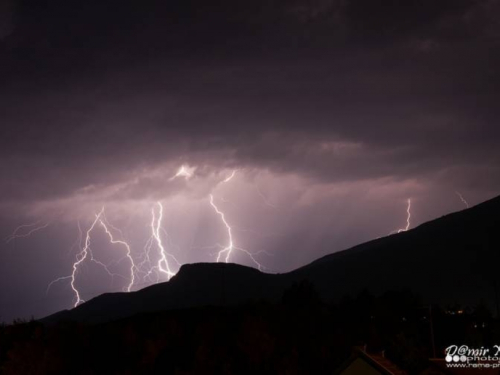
[{"x": 299, "y": 335}]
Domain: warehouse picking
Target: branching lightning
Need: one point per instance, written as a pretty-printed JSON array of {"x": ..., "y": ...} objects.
[
  {"x": 81, "y": 257},
  {"x": 226, "y": 251},
  {"x": 86, "y": 253},
  {"x": 155, "y": 262},
  {"x": 128, "y": 254},
  {"x": 31, "y": 228},
  {"x": 462, "y": 199},
  {"x": 163, "y": 264}
]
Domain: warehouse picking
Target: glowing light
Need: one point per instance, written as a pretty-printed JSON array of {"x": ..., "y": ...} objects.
[
  {"x": 155, "y": 262},
  {"x": 408, "y": 218},
  {"x": 184, "y": 171},
  {"x": 462, "y": 199},
  {"x": 231, "y": 176},
  {"x": 32, "y": 228}
]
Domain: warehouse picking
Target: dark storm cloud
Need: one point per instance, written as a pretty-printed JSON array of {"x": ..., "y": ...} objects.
[
  {"x": 7, "y": 11},
  {"x": 337, "y": 110},
  {"x": 336, "y": 90}
]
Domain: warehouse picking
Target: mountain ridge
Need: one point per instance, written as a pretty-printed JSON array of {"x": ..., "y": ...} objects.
[{"x": 446, "y": 260}]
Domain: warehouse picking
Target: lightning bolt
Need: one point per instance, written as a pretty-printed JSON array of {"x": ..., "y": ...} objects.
[
  {"x": 86, "y": 252},
  {"x": 229, "y": 248},
  {"x": 127, "y": 255},
  {"x": 231, "y": 176},
  {"x": 34, "y": 227},
  {"x": 163, "y": 264},
  {"x": 79, "y": 238},
  {"x": 462, "y": 199},
  {"x": 226, "y": 251},
  {"x": 408, "y": 217},
  {"x": 81, "y": 257}
]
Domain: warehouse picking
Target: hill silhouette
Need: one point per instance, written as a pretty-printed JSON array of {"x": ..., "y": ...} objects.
[{"x": 452, "y": 259}]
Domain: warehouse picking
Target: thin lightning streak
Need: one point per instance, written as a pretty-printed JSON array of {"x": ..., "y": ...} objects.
[
  {"x": 56, "y": 281},
  {"x": 36, "y": 228},
  {"x": 462, "y": 199},
  {"x": 145, "y": 266},
  {"x": 264, "y": 199},
  {"x": 147, "y": 259},
  {"x": 128, "y": 254},
  {"x": 230, "y": 177},
  {"x": 408, "y": 217},
  {"x": 85, "y": 252},
  {"x": 163, "y": 265},
  {"x": 227, "y": 250},
  {"x": 79, "y": 238},
  {"x": 108, "y": 224},
  {"x": 82, "y": 256}
]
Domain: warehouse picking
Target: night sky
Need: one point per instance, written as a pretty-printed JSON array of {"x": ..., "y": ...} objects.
[{"x": 333, "y": 113}]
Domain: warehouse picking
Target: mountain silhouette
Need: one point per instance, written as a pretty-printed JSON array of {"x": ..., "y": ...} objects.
[{"x": 453, "y": 259}]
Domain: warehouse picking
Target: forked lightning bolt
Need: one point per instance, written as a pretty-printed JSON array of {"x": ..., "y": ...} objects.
[
  {"x": 127, "y": 255},
  {"x": 161, "y": 265},
  {"x": 225, "y": 252},
  {"x": 81, "y": 257},
  {"x": 86, "y": 252}
]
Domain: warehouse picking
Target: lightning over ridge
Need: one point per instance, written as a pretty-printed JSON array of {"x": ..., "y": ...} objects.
[
  {"x": 86, "y": 253},
  {"x": 462, "y": 199},
  {"x": 408, "y": 218},
  {"x": 225, "y": 253},
  {"x": 163, "y": 264}
]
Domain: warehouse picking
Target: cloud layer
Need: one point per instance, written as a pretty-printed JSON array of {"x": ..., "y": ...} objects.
[{"x": 334, "y": 112}]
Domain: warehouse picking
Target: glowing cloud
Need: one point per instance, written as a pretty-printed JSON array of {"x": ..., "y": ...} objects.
[{"x": 184, "y": 171}]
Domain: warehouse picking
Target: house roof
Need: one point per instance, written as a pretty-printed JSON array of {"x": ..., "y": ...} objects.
[{"x": 364, "y": 363}]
